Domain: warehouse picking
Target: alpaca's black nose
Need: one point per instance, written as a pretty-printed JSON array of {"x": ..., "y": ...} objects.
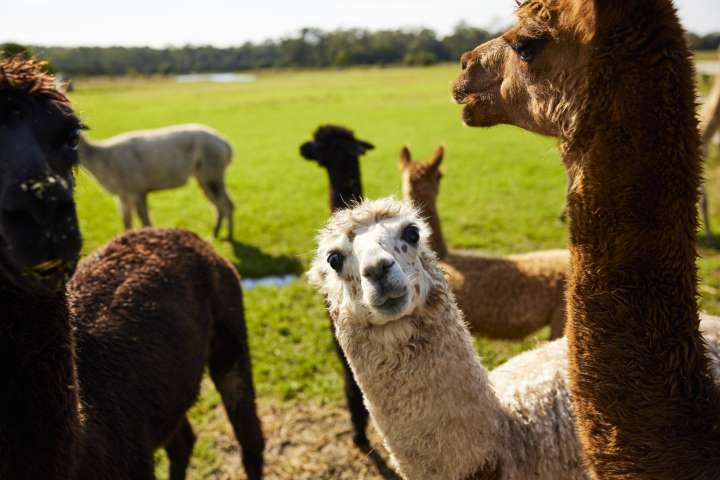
[{"x": 378, "y": 270}]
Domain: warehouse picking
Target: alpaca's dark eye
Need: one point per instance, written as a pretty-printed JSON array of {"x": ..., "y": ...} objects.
[
  {"x": 73, "y": 141},
  {"x": 336, "y": 260},
  {"x": 528, "y": 48},
  {"x": 411, "y": 234},
  {"x": 69, "y": 139}
]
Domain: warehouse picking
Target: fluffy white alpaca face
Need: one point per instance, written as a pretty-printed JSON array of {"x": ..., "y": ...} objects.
[{"x": 370, "y": 268}]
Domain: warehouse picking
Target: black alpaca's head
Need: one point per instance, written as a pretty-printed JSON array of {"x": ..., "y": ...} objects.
[
  {"x": 337, "y": 150},
  {"x": 39, "y": 235}
]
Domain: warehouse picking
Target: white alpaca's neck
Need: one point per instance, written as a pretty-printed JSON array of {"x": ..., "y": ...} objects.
[
  {"x": 428, "y": 394},
  {"x": 88, "y": 154}
]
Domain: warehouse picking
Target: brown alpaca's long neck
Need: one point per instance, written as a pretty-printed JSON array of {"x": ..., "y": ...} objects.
[
  {"x": 645, "y": 402},
  {"x": 88, "y": 153},
  {"x": 426, "y": 201},
  {"x": 40, "y": 418},
  {"x": 437, "y": 239}
]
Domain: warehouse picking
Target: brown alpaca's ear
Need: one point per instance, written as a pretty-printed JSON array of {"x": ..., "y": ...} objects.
[
  {"x": 405, "y": 158},
  {"x": 437, "y": 158}
]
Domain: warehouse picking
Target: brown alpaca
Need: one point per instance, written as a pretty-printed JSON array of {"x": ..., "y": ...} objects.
[
  {"x": 506, "y": 298},
  {"x": 91, "y": 394},
  {"x": 613, "y": 79},
  {"x": 160, "y": 302}
]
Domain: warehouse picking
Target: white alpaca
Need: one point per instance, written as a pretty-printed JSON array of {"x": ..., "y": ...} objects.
[
  {"x": 441, "y": 414},
  {"x": 135, "y": 163}
]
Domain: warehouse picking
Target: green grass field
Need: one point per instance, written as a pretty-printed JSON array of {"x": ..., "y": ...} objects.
[{"x": 502, "y": 192}]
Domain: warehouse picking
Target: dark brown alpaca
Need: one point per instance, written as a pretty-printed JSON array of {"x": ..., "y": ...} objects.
[
  {"x": 502, "y": 297},
  {"x": 337, "y": 150},
  {"x": 613, "y": 79},
  {"x": 92, "y": 397},
  {"x": 152, "y": 308}
]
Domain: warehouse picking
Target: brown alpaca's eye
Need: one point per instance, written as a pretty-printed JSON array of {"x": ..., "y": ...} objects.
[
  {"x": 336, "y": 261},
  {"x": 528, "y": 48},
  {"x": 411, "y": 234}
]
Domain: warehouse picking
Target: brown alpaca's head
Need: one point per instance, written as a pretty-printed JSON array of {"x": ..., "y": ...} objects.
[
  {"x": 531, "y": 75},
  {"x": 39, "y": 234},
  {"x": 421, "y": 181}
]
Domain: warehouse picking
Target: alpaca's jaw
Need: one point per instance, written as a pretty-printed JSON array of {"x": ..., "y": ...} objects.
[{"x": 391, "y": 309}]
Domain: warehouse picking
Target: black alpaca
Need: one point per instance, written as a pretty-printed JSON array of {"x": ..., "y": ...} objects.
[
  {"x": 337, "y": 150},
  {"x": 92, "y": 390}
]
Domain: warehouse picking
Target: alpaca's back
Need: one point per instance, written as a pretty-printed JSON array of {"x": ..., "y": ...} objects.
[
  {"x": 146, "y": 308},
  {"x": 148, "y": 160},
  {"x": 509, "y": 297}
]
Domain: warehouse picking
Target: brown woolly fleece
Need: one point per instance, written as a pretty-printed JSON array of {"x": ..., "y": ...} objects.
[
  {"x": 151, "y": 309},
  {"x": 507, "y": 298},
  {"x": 614, "y": 80}
]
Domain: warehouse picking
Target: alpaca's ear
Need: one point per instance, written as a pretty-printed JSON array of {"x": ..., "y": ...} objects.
[
  {"x": 437, "y": 157},
  {"x": 356, "y": 147},
  {"x": 366, "y": 145},
  {"x": 316, "y": 276},
  {"x": 405, "y": 158}
]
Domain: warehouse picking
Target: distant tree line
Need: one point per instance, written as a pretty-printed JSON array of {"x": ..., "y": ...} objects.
[{"x": 310, "y": 48}]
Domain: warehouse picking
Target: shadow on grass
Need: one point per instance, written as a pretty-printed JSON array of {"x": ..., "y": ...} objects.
[{"x": 252, "y": 262}]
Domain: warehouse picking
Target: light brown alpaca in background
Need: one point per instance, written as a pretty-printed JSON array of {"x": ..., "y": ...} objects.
[
  {"x": 506, "y": 298},
  {"x": 613, "y": 79}
]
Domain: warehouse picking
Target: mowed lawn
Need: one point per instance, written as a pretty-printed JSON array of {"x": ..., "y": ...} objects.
[{"x": 502, "y": 192}]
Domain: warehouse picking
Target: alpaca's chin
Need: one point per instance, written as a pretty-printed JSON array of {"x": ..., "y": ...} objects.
[{"x": 389, "y": 310}]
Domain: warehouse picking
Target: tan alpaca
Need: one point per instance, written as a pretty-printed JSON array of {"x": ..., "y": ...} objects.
[
  {"x": 614, "y": 81},
  {"x": 442, "y": 416},
  {"x": 506, "y": 298}
]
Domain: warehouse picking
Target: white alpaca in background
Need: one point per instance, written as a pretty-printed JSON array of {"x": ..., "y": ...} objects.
[
  {"x": 442, "y": 416},
  {"x": 133, "y": 164}
]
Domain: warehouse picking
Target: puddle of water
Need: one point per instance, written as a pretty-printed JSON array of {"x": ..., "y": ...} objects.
[
  {"x": 224, "y": 77},
  {"x": 275, "y": 281}
]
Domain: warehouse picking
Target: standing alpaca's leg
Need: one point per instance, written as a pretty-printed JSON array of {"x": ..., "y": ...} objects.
[
  {"x": 216, "y": 192},
  {"x": 125, "y": 211},
  {"x": 142, "y": 209},
  {"x": 229, "y": 208},
  {"x": 231, "y": 372},
  {"x": 179, "y": 449},
  {"x": 354, "y": 398}
]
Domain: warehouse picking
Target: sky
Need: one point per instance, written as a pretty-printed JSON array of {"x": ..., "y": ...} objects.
[{"x": 160, "y": 23}]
